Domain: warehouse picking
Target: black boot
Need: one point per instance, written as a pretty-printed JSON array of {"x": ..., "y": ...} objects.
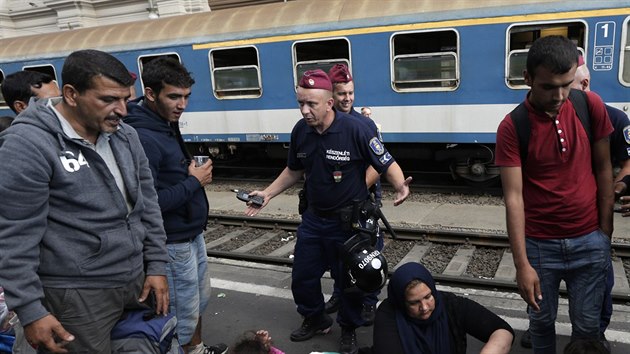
[
  {"x": 311, "y": 326},
  {"x": 368, "y": 313},
  {"x": 348, "y": 341}
]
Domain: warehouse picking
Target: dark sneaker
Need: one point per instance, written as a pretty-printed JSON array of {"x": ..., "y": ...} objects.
[
  {"x": 311, "y": 326},
  {"x": 367, "y": 314},
  {"x": 333, "y": 303},
  {"x": 526, "y": 339},
  {"x": 218, "y": 348},
  {"x": 348, "y": 341}
]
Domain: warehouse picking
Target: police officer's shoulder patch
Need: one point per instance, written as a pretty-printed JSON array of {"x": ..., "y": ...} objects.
[
  {"x": 385, "y": 158},
  {"x": 626, "y": 134},
  {"x": 376, "y": 146}
]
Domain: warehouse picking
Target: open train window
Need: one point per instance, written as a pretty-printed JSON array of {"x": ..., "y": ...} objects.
[
  {"x": 44, "y": 69},
  {"x": 521, "y": 36},
  {"x": 319, "y": 54},
  {"x": 144, "y": 59},
  {"x": 3, "y": 103},
  {"x": 425, "y": 61},
  {"x": 624, "y": 66},
  {"x": 235, "y": 73}
]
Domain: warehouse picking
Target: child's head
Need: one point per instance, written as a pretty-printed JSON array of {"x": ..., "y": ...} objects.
[{"x": 249, "y": 343}]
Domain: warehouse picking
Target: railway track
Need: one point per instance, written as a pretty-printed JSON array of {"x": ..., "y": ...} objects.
[{"x": 479, "y": 260}]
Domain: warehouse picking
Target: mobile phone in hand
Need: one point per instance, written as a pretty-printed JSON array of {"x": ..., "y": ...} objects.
[{"x": 256, "y": 200}]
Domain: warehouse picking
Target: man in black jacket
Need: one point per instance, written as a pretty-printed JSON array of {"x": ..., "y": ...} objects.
[{"x": 180, "y": 186}]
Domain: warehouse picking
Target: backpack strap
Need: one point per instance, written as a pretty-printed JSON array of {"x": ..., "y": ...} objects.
[
  {"x": 580, "y": 104},
  {"x": 520, "y": 119},
  {"x": 523, "y": 129}
]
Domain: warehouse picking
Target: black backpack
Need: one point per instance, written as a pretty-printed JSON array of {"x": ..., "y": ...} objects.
[{"x": 523, "y": 129}]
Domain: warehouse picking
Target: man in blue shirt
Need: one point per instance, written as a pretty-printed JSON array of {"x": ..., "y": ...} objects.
[
  {"x": 343, "y": 94},
  {"x": 332, "y": 150}
]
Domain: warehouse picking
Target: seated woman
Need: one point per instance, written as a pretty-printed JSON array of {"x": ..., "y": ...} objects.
[{"x": 416, "y": 318}]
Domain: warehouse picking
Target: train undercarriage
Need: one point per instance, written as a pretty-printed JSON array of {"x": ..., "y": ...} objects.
[{"x": 472, "y": 164}]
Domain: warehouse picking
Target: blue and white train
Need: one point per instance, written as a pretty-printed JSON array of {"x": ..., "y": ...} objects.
[{"x": 438, "y": 75}]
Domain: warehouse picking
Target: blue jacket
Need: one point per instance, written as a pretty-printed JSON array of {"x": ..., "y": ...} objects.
[
  {"x": 63, "y": 221},
  {"x": 335, "y": 162},
  {"x": 377, "y": 189},
  {"x": 181, "y": 197},
  {"x": 620, "y": 138}
]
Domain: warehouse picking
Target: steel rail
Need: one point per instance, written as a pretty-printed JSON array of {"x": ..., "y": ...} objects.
[{"x": 404, "y": 233}]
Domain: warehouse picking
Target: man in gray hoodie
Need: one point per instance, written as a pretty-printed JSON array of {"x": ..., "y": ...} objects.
[{"x": 81, "y": 235}]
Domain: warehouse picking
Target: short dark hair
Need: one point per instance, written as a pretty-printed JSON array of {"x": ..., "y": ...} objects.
[
  {"x": 165, "y": 70},
  {"x": 18, "y": 86},
  {"x": 248, "y": 343},
  {"x": 556, "y": 53},
  {"x": 5, "y": 122},
  {"x": 82, "y": 66}
]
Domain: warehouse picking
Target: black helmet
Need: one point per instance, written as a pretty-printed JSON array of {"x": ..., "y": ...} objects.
[{"x": 366, "y": 266}]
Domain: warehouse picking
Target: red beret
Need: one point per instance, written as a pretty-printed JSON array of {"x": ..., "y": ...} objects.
[
  {"x": 339, "y": 74},
  {"x": 315, "y": 79},
  {"x": 580, "y": 60}
]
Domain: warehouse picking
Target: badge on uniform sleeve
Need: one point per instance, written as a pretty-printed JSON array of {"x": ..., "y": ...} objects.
[
  {"x": 626, "y": 134},
  {"x": 385, "y": 158},
  {"x": 376, "y": 146}
]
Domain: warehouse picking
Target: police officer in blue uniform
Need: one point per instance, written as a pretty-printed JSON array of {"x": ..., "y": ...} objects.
[
  {"x": 620, "y": 157},
  {"x": 343, "y": 94},
  {"x": 620, "y": 138},
  {"x": 333, "y": 151}
]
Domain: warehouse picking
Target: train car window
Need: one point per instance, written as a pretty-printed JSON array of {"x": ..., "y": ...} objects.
[
  {"x": 235, "y": 73},
  {"x": 425, "y": 61},
  {"x": 520, "y": 38},
  {"x": 624, "y": 66},
  {"x": 3, "y": 103},
  {"x": 44, "y": 69},
  {"x": 319, "y": 54},
  {"x": 144, "y": 59}
]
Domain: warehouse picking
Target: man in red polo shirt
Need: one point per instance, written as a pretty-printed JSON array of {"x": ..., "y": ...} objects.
[{"x": 559, "y": 199}]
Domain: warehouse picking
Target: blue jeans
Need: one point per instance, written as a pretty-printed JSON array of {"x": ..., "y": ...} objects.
[
  {"x": 318, "y": 245},
  {"x": 188, "y": 284},
  {"x": 607, "y": 309},
  {"x": 582, "y": 262}
]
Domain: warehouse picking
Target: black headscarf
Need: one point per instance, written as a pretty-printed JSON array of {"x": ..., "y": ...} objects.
[{"x": 430, "y": 336}]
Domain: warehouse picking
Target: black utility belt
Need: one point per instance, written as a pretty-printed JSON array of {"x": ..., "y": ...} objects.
[
  {"x": 346, "y": 216},
  {"x": 332, "y": 214}
]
